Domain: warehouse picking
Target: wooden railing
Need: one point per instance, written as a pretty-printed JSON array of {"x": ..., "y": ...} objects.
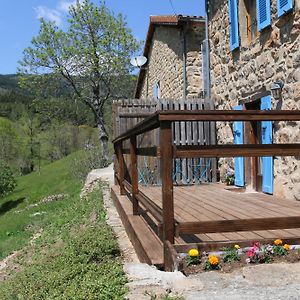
[
  {"x": 166, "y": 151},
  {"x": 127, "y": 113}
]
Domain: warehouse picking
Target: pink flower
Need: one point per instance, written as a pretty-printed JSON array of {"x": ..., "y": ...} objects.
[
  {"x": 250, "y": 253},
  {"x": 256, "y": 245}
]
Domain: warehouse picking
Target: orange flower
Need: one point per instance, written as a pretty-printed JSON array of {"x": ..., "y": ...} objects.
[
  {"x": 278, "y": 242},
  {"x": 286, "y": 247},
  {"x": 213, "y": 260}
]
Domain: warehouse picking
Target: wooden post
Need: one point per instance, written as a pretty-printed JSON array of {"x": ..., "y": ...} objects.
[
  {"x": 134, "y": 175},
  {"x": 166, "y": 148},
  {"x": 119, "y": 153}
]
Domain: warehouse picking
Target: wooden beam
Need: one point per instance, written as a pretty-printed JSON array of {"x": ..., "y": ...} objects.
[
  {"x": 229, "y": 115},
  {"x": 250, "y": 150},
  {"x": 135, "y": 115},
  {"x": 145, "y": 151},
  {"x": 153, "y": 121},
  {"x": 167, "y": 181},
  {"x": 171, "y": 264},
  {"x": 153, "y": 209},
  {"x": 120, "y": 157},
  {"x": 144, "y": 126},
  {"x": 238, "y": 225},
  {"x": 215, "y": 246},
  {"x": 134, "y": 175}
]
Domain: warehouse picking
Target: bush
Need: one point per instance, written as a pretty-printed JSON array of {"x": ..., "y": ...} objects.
[
  {"x": 87, "y": 161},
  {"x": 7, "y": 180}
]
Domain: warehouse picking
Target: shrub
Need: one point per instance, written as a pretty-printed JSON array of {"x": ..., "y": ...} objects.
[
  {"x": 7, "y": 180},
  {"x": 87, "y": 161}
]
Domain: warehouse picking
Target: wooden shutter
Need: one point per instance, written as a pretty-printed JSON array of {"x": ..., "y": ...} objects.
[
  {"x": 267, "y": 138},
  {"x": 238, "y": 135},
  {"x": 263, "y": 14},
  {"x": 284, "y": 6},
  {"x": 233, "y": 24}
]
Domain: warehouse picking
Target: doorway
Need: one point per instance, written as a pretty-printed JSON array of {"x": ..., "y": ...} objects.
[{"x": 258, "y": 171}]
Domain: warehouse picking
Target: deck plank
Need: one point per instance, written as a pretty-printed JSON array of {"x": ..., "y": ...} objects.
[{"x": 209, "y": 202}]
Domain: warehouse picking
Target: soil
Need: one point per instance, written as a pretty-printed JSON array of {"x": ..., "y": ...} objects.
[{"x": 229, "y": 267}]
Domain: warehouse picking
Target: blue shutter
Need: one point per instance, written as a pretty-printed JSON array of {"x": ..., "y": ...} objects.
[
  {"x": 234, "y": 24},
  {"x": 267, "y": 138},
  {"x": 284, "y": 6},
  {"x": 263, "y": 14},
  {"x": 238, "y": 134}
]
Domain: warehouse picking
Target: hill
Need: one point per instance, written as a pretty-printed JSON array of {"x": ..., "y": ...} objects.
[
  {"x": 9, "y": 82},
  {"x": 74, "y": 255}
]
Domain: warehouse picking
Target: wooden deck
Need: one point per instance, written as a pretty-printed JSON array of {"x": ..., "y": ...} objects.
[
  {"x": 162, "y": 221},
  {"x": 208, "y": 204}
]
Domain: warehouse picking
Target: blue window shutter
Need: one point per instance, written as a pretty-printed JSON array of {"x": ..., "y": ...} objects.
[
  {"x": 263, "y": 14},
  {"x": 238, "y": 134},
  {"x": 267, "y": 138},
  {"x": 233, "y": 24},
  {"x": 284, "y": 6}
]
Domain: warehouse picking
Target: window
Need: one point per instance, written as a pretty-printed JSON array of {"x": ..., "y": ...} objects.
[
  {"x": 247, "y": 21},
  {"x": 156, "y": 91}
]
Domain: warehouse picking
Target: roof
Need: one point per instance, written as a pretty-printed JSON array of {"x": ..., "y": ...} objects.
[{"x": 167, "y": 20}]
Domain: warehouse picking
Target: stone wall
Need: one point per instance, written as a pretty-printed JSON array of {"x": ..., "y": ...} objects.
[
  {"x": 166, "y": 63},
  {"x": 237, "y": 76}
]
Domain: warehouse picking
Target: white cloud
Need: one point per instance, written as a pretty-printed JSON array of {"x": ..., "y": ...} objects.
[
  {"x": 64, "y": 5},
  {"x": 48, "y": 14}
]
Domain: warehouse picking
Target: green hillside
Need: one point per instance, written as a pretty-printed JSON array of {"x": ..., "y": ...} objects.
[{"x": 76, "y": 257}]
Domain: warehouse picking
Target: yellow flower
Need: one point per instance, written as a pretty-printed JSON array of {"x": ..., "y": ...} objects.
[
  {"x": 237, "y": 247},
  {"x": 278, "y": 242},
  {"x": 213, "y": 260},
  {"x": 286, "y": 247},
  {"x": 193, "y": 252}
]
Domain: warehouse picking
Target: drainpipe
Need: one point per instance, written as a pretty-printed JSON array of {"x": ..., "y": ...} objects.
[
  {"x": 208, "y": 98},
  {"x": 183, "y": 45}
]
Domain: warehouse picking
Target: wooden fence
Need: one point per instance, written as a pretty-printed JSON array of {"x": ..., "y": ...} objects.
[{"x": 127, "y": 113}]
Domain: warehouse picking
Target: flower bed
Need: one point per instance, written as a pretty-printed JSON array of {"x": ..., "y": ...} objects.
[{"x": 230, "y": 259}]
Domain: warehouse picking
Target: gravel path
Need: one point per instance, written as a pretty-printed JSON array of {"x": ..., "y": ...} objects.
[{"x": 273, "y": 281}]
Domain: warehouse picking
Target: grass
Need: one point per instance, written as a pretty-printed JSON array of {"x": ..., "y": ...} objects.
[
  {"x": 17, "y": 228},
  {"x": 77, "y": 257}
]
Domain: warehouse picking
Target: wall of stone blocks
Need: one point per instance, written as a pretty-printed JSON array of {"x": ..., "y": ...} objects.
[
  {"x": 237, "y": 76},
  {"x": 166, "y": 63}
]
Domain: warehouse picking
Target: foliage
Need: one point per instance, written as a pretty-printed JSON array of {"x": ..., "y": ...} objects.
[
  {"x": 7, "y": 180},
  {"x": 166, "y": 296},
  {"x": 259, "y": 253},
  {"x": 279, "y": 249},
  {"x": 229, "y": 176},
  {"x": 212, "y": 263},
  {"x": 193, "y": 257},
  {"x": 231, "y": 254},
  {"x": 8, "y": 140},
  {"x": 77, "y": 257},
  {"x": 89, "y": 159},
  {"x": 91, "y": 56}
]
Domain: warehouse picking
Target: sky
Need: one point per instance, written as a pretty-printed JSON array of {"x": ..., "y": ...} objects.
[{"x": 19, "y": 20}]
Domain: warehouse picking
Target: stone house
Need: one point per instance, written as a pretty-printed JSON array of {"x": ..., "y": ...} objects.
[
  {"x": 255, "y": 64},
  {"x": 174, "y": 66}
]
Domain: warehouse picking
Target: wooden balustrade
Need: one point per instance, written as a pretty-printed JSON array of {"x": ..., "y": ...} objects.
[{"x": 166, "y": 151}]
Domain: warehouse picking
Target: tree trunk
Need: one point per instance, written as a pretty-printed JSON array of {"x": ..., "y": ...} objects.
[{"x": 103, "y": 137}]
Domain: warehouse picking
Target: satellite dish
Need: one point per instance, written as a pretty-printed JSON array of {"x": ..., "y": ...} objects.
[{"x": 138, "y": 61}]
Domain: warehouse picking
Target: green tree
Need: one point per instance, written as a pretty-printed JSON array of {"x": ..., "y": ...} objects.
[
  {"x": 7, "y": 180},
  {"x": 91, "y": 56}
]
